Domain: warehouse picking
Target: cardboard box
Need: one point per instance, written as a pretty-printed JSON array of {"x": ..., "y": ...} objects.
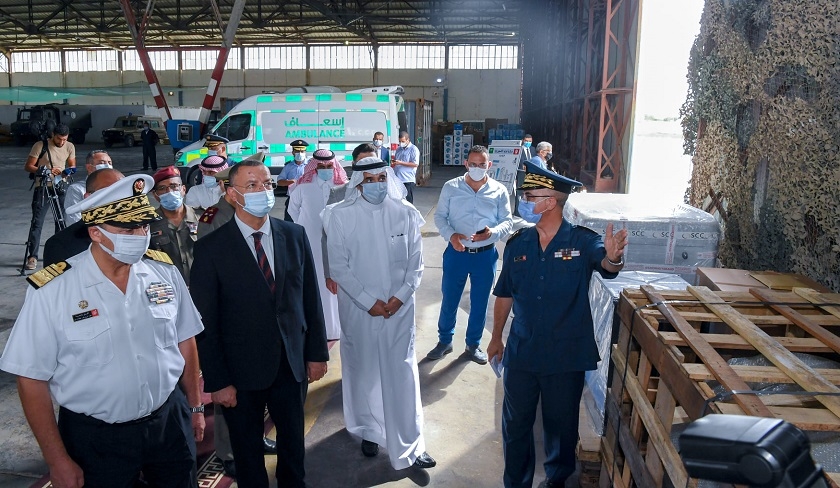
[{"x": 724, "y": 279}]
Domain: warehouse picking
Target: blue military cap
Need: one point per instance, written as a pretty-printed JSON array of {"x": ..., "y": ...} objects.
[
  {"x": 214, "y": 140},
  {"x": 536, "y": 177},
  {"x": 299, "y": 144}
]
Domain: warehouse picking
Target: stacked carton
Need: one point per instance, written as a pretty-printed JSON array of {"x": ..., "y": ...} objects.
[{"x": 457, "y": 146}]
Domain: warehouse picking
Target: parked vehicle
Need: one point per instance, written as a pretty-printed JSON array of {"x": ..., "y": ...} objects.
[
  {"x": 328, "y": 118},
  {"x": 127, "y": 129},
  {"x": 30, "y": 122}
]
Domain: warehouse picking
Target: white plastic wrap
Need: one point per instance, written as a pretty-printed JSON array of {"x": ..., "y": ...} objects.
[
  {"x": 603, "y": 298},
  {"x": 668, "y": 239}
]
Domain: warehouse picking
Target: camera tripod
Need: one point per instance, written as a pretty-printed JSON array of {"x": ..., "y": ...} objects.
[{"x": 49, "y": 192}]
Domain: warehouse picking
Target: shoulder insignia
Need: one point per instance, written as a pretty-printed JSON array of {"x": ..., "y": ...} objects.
[
  {"x": 517, "y": 233},
  {"x": 208, "y": 215},
  {"x": 44, "y": 276},
  {"x": 159, "y": 256}
]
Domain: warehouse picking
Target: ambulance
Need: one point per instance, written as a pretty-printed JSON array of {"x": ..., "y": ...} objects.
[{"x": 324, "y": 117}]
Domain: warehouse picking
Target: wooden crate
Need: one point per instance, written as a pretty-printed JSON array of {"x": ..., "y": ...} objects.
[
  {"x": 588, "y": 450},
  {"x": 665, "y": 356}
]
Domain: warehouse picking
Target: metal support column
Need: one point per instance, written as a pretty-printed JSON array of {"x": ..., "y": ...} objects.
[
  {"x": 137, "y": 34},
  {"x": 219, "y": 69}
]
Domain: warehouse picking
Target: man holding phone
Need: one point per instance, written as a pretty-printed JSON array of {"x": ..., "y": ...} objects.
[{"x": 473, "y": 213}]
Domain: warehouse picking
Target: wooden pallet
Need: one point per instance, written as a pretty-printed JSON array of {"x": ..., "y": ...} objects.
[{"x": 665, "y": 357}]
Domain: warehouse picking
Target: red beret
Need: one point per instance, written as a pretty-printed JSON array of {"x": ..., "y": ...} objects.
[{"x": 166, "y": 173}]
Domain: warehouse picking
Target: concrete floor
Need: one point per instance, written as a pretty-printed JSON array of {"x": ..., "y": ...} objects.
[{"x": 462, "y": 400}]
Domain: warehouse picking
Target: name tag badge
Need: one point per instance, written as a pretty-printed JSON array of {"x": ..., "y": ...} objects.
[
  {"x": 86, "y": 315},
  {"x": 566, "y": 254},
  {"x": 193, "y": 227},
  {"x": 158, "y": 292},
  {"x": 518, "y": 259}
]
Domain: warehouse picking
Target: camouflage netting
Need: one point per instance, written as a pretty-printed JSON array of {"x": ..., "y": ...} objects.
[{"x": 762, "y": 122}]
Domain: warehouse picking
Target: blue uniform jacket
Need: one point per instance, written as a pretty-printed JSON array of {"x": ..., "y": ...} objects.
[{"x": 552, "y": 327}]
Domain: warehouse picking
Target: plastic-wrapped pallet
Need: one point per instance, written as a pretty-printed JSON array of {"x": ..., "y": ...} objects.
[
  {"x": 603, "y": 299},
  {"x": 667, "y": 239}
]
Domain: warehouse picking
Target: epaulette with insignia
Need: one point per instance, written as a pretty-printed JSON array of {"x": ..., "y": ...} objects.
[
  {"x": 158, "y": 256},
  {"x": 208, "y": 215},
  {"x": 517, "y": 233},
  {"x": 44, "y": 276}
]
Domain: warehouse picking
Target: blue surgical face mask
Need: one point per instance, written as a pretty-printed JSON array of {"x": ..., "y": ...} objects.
[
  {"x": 377, "y": 142},
  {"x": 375, "y": 192},
  {"x": 258, "y": 203},
  {"x": 526, "y": 211},
  {"x": 171, "y": 200},
  {"x": 527, "y": 144},
  {"x": 299, "y": 156},
  {"x": 325, "y": 174},
  {"x": 209, "y": 181}
]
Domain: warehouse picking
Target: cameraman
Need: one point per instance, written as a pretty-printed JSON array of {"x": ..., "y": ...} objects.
[{"x": 58, "y": 156}]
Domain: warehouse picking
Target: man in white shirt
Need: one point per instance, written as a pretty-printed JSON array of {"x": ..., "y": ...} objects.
[
  {"x": 96, "y": 159},
  {"x": 376, "y": 257}
]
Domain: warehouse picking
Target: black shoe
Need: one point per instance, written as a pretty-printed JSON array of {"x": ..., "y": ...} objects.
[
  {"x": 439, "y": 351},
  {"x": 552, "y": 484},
  {"x": 476, "y": 355},
  {"x": 424, "y": 461},
  {"x": 230, "y": 468},
  {"x": 269, "y": 446},
  {"x": 369, "y": 449}
]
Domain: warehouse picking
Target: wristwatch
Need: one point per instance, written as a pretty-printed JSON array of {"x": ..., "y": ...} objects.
[
  {"x": 619, "y": 263},
  {"x": 198, "y": 409}
]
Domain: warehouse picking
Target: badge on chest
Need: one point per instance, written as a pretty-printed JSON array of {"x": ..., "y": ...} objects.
[
  {"x": 158, "y": 292},
  {"x": 566, "y": 254}
]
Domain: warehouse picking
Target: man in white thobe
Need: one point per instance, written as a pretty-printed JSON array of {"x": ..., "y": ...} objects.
[
  {"x": 323, "y": 183},
  {"x": 376, "y": 257}
]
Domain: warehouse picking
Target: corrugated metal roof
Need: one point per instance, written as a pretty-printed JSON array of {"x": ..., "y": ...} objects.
[{"x": 46, "y": 24}]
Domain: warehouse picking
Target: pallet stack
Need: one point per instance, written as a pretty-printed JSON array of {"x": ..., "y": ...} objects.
[{"x": 665, "y": 358}]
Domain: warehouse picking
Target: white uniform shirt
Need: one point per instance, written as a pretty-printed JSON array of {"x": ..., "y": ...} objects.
[
  {"x": 75, "y": 194},
  {"x": 105, "y": 354},
  {"x": 199, "y": 196}
]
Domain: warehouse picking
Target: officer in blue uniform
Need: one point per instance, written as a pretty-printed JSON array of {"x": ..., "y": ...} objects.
[{"x": 545, "y": 280}]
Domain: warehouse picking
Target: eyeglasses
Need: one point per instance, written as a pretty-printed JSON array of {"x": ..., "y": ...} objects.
[
  {"x": 474, "y": 165},
  {"x": 265, "y": 185},
  {"x": 168, "y": 188},
  {"x": 534, "y": 198}
]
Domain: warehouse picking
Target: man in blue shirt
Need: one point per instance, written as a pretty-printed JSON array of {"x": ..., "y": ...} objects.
[
  {"x": 545, "y": 280},
  {"x": 293, "y": 170},
  {"x": 543, "y": 155},
  {"x": 405, "y": 162},
  {"x": 473, "y": 213}
]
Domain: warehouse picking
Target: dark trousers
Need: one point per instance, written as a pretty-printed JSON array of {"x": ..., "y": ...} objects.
[
  {"x": 40, "y": 209},
  {"x": 409, "y": 189},
  {"x": 149, "y": 156},
  {"x": 160, "y": 445},
  {"x": 560, "y": 395},
  {"x": 285, "y": 398},
  {"x": 480, "y": 268}
]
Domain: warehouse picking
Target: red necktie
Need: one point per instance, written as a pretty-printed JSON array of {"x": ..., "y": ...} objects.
[{"x": 262, "y": 260}]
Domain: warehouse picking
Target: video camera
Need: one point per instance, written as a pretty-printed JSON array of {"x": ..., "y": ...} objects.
[{"x": 43, "y": 130}]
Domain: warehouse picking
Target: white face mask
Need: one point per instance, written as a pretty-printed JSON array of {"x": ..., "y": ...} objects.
[
  {"x": 102, "y": 166},
  {"x": 128, "y": 249},
  {"x": 403, "y": 144},
  {"x": 477, "y": 174},
  {"x": 377, "y": 142}
]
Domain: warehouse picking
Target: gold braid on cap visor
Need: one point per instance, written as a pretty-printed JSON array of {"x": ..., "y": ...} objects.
[
  {"x": 131, "y": 210},
  {"x": 533, "y": 180}
]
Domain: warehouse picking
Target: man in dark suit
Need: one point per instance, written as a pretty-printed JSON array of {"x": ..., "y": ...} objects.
[
  {"x": 381, "y": 149},
  {"x": 150, "y": 139},
  {"x": 264, "y": 327}
]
